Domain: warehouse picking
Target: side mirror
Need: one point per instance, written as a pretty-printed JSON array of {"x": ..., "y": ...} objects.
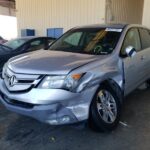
[{"x": 130, "y": 51}]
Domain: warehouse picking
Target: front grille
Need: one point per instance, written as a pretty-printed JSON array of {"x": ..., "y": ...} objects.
[{"x": 19, "y": 82}]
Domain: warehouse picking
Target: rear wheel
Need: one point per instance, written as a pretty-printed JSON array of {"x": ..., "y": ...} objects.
[{"x": 105, "y": 110}]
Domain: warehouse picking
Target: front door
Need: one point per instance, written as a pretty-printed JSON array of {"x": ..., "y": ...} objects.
[{"x": 133, "y": 73}]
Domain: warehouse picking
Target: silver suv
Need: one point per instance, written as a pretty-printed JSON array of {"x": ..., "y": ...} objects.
[{"x": 83, "y": 76}]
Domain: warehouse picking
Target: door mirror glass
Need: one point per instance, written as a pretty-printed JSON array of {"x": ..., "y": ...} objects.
[{"x": 130, "y": 51}]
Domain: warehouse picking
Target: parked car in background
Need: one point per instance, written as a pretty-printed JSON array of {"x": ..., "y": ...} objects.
[
  {"x": 84, "y": 76},
  {"x": 2, "y": 41},
  {"x": 22, "y": 45}
]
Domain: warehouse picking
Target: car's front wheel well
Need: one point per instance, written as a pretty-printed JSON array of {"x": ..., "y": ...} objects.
[
  {"x": 114, "y": 86},
  {"x": 105, "y": 108}
]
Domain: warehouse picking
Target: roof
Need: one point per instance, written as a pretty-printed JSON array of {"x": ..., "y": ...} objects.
[
  {"x": 33, "y": 37},
  {"x": 117, "y": 26}
]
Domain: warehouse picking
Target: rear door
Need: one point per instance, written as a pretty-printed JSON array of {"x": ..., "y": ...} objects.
[
  {"x": 145, "y": 39},
  {"x": 132, "y": 66}
]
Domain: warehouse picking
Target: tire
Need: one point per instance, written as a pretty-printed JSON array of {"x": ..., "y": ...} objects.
[{"x": 105, "y": 112}]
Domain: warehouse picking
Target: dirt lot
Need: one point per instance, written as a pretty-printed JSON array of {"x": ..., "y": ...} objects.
[{"x": 23, "y": 133}]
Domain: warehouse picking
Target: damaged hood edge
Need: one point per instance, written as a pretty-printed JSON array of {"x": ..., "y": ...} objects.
[{"x": 49, "y": 62}]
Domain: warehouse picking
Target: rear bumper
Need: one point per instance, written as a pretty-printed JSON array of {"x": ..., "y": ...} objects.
[{"x": 50, "y": 106}]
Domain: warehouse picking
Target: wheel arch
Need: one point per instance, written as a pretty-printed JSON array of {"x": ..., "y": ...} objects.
[{"x": 116, "y": 88}]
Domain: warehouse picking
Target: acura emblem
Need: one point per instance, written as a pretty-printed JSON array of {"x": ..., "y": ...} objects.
[{"x": 12, "y": 81}]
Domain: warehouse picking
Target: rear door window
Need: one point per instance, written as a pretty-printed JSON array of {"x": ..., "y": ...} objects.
[
  {"x": 145, "y": 38},
  {"x": 36, "y": 45}
]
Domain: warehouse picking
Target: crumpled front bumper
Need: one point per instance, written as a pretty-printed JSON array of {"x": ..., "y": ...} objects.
[{"x": 53, "y": 106}]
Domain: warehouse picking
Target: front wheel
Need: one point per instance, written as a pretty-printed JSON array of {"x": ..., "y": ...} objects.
[{"x": 105, "y": 110}]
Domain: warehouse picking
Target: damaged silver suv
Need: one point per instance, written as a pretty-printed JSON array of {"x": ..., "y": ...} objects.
[{"x": 83, "y": 76}]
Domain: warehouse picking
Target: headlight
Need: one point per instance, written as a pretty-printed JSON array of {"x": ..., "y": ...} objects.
[
  {"x": 69, "y": 82},
  {"x": 52, "y": 82},
  {"x": 72, "y": 81}
]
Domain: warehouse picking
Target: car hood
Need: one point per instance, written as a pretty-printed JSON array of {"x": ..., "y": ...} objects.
[{"x": 48, "y": 62}]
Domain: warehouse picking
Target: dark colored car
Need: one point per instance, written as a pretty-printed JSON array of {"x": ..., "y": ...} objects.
[
  {"x": 2, "y": 41},
  {"x": 22, "y": 45}
]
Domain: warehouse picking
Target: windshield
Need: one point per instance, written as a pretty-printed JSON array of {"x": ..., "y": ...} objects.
[
  {"x": 14, "y": 44},
  {"x": 95, "y": 41}
]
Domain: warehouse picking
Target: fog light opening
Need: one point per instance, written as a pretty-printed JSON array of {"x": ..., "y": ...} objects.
[
  {"x": 62, "y": 120},
  {"x": 65, "y": 119},
  {"x": 52, "y": 122}
]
